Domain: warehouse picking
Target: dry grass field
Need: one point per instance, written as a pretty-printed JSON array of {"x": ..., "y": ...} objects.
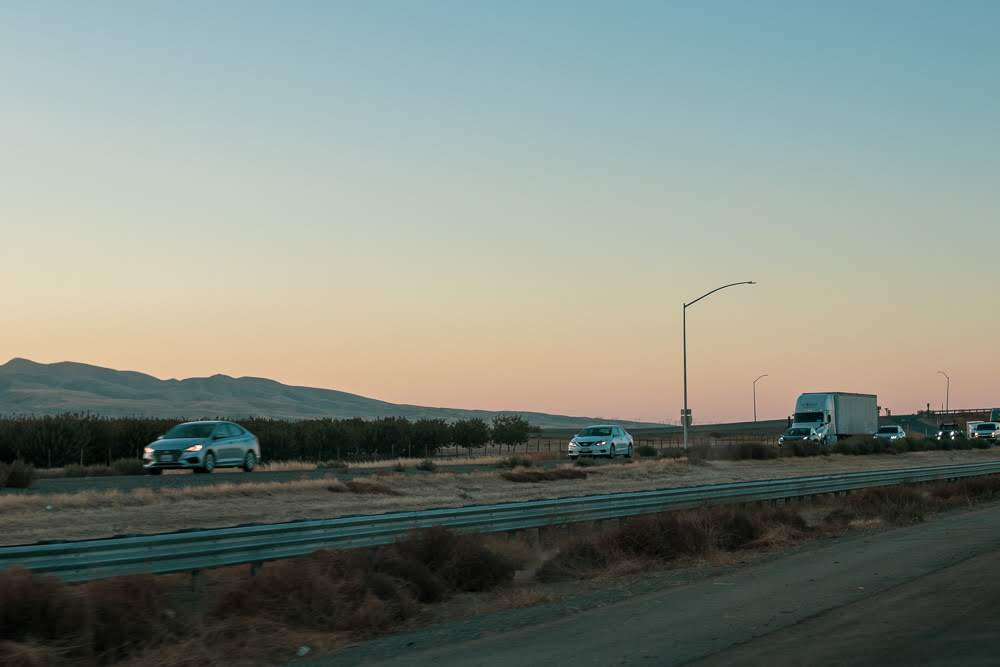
[
  {"x": 91, "y": 514},
  {"x": 331, "y": 599}
]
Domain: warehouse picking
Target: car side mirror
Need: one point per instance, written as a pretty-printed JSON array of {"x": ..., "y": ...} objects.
[
  {"x": 159, "y": 437},
  {"x": 218, "y": 436}
]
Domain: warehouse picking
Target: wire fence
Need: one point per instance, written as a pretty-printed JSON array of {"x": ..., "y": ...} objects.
[{"x": 558, "y": 447}]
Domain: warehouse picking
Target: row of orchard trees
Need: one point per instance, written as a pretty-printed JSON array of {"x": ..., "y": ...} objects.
[{"x": 55, "y": 441}]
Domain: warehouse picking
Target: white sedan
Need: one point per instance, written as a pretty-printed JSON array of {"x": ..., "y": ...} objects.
[
  {"x": 601, "y": 440},
  {"x": 890, "y": 433}
]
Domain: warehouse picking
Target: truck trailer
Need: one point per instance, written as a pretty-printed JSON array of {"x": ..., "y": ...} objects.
[{"x": 835, "y": 415}]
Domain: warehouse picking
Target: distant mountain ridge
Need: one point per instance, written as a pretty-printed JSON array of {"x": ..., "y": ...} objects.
[{"x": 31, "y": 388}]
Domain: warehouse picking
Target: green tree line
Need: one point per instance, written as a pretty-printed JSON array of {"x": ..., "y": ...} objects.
[{"x": 56, "y": 441}]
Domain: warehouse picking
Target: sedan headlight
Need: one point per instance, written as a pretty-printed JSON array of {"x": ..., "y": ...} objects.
[
  {"x": 147, "y": 451},
  {"x": 193, "y": 448},
  {"x": 601, "y": 443}
]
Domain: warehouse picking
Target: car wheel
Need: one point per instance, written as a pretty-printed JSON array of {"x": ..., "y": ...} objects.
[
  {"x": 154, "y": 471},
  {"x": 611, "y": 451},
  {"x": 249, "y": 462},
  {"x": 208, "y": 465},
  {"x": 628, "y": 454}
]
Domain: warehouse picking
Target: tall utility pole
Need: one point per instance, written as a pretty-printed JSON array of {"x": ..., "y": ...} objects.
[
  {"x": 686, "y": 415},
  {"x": 947, "y": 392},
  {"x": 755, "y": 396}
]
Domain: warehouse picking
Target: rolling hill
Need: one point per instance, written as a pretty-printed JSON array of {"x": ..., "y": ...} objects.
[{"x": 30, "y": 388}]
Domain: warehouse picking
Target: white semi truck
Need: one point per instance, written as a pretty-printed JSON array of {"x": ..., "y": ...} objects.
[{"x": 833, "y": 415}]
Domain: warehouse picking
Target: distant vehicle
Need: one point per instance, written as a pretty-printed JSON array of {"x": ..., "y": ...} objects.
[
  {"x": 890, "y": 433},
  {"x": 601, "y": 440},
  {"x": 202, "y": 446},
  {"x": 799, "y": 434},
  {"x": 987, "y": 431},
  {"x": 948, "y": 432},
  {"x": 970, "y": 427},
  {"x": 836, "y": 415}
]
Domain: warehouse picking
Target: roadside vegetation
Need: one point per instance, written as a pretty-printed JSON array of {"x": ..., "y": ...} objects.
[
  {"x": 88, "y": 440},
  {"x": 330, "y": 598},
  {"x": 16, "y": 475}
]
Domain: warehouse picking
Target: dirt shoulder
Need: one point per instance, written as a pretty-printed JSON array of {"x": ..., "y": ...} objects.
[{"x": 36, "y": 517}]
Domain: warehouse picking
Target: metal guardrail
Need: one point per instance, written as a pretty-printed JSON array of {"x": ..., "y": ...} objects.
[{"x": 194, "y": 550}]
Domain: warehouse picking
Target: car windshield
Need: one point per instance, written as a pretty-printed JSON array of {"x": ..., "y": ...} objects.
[
  {"x": 595, "y": 430},
  {"x": 190, "y": 431},
  {"x": 808, "y": 417},
  {"x": 888, "y": 429},
  {"x": 797, "y": 431},
  {"x": 986, "y": 427}
]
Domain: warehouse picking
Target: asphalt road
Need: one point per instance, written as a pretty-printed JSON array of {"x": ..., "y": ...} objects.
[{"x": 920, "y": 595}]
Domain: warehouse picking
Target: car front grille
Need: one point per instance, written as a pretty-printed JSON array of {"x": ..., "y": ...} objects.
[{"x": 167, "y": 455}]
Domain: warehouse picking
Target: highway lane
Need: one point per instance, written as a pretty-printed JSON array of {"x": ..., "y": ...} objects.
[
  {"x": 950, "y": 617},
  {"x": 743, "y": 615}
]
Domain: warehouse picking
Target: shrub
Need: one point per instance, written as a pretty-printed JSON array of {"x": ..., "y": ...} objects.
[
  {"x": 127, "y": 466},
  {"x": 662, "y": 536},
  {"x": 967, "y": 490},
  {"x": 855, "y": 445},
  {"x": 17, "y": 475},
  {"x": 423, "y": 584},
  {"x": 128, "y": 613},
  {"x": 522, "y": 475},
  {"x": 461, "y": 561},
  {"x": 733, "y": 452},
  {"x": 76, "y": 470},
  {"x": 896, "y": 504},
  {"x": 515, "y": 462},
  {"x": 646, "y": 451},
  {"x": 804, "y": 448},
  {"x": 738, "y": 530},
  {"x": 575, "y": 561},
  {"x": 584, "y": 462},
  {"x": 43, "y": 608},
  {"x": 427, "y": 466},
  {"x": 369, "y": 487}
]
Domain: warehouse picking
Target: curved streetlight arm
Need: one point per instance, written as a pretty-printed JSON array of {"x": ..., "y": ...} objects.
[
  {"x": 947, "y": 392},
  {"x": 686, "y": 415},
  {"x": 760, "y": 378},
  {"x": 745, "y": 282}
]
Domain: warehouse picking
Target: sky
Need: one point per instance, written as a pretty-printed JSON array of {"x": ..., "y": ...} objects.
[{"x": 504, "y": 205}]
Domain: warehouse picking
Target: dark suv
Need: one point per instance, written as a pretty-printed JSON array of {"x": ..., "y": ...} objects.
[{"x": 950, "y": 432}]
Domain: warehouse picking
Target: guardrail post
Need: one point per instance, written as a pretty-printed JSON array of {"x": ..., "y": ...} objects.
[{"x": 196, "y": 581}]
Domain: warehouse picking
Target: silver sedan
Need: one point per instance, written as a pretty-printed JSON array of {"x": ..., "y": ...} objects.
[
  {"x": 202, "y": 446},
  {"x": 601, "y": 440}
]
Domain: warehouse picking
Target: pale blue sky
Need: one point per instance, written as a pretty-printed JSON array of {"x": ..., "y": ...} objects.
[{"x": 413, "y": 199}]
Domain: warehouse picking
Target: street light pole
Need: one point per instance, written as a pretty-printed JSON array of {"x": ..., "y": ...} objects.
[
  {"x": 686, "y": 415},
  {"x": 947, "y": 392},
  {"x": 755, "y": 397}
]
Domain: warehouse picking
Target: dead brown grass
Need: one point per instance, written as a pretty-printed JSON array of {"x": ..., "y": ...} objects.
[
  {"x": 535, "y": 476},
  {"x": 32, "y": 517},
  {"x": 327, "y": 598},
  {"x": 645, "y": 541}
]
